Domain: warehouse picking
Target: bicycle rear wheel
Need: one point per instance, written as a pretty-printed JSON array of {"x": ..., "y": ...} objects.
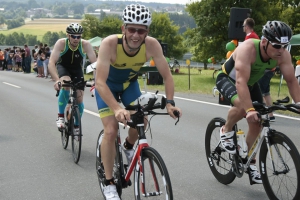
[
  {"x": 152, "y": 179},
  {"x": 100, "y": 167},
  {"x": 283, "y": 183},
  {"x": 76, "y": 136},
  {"x": 219, "y": 160}
]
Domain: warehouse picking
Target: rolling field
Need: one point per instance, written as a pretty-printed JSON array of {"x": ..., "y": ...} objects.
[{"x": 39, "y": 27}]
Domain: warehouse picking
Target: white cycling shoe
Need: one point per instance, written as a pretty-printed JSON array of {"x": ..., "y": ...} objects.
[{"x": 110, "y": 192}]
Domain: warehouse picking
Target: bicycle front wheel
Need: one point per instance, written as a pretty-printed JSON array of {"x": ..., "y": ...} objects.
[
  {"x": 64, "y": 138},
  {"x": 151, "y": 178},
  {"x": 219, "y": 160},
  {"x": 281, "y": 174},
  {"x": 76, "y": 135}
]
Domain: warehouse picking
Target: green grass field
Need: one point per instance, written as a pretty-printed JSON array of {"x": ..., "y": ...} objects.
[{"x": 39, "y": 27}]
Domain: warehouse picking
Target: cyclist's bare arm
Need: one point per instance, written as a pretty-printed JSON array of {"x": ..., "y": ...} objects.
[
  {"x": 154, "y": 50},
  {"x": 106, "y": 56},
  {"x": 55, "y": 53},
  {"x": 287, "y": 70},
  {"x": 243, "y": 59},
  {"x": 88, "y": 49}
]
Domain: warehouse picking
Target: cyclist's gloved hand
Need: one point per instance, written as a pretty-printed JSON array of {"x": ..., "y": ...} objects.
[{"x": 122, "y": 115}]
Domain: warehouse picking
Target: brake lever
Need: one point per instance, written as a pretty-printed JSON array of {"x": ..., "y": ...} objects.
[
  {"x": 57, "y": 91},
  {"x": 177, "y": 114}
]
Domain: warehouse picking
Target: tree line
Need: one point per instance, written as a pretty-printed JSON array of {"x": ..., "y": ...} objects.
[
  {"x": 210, "y": 36},
  {"x": 204, "y": 30}
]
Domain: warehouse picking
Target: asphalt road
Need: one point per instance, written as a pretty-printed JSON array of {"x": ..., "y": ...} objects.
[{"x": 35, "y": 166}]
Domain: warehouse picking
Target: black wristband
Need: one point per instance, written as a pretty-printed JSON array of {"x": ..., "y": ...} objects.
[{"x": 172, "y": 102}]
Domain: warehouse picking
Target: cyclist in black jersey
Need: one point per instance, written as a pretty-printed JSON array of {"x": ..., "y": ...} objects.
[
  {"x": 66, "y": 63},
  {"x": 119, "y": 59},
  {"x": 238, "y": 80}
]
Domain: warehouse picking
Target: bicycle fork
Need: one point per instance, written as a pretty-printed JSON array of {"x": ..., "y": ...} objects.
[{"x": 267, "y": 135}]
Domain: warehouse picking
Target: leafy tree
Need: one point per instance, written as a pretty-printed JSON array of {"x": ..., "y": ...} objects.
[
  {"x": 90, "y": 26},
  {"x": 60, "y": 9},
  {"x": 50, "y": 38},
  {"x": 91, "y": 8},
  {"x": 10, "y": 40},
  {"x": 77, "y": 8},
  {"x": 31, "y": 39},
  {"x": 163, "y": 29},
  {"x": 2, "y": 39},
  {"x": 110, "y": 25},
  {"x": 94, "y": 27},
  {"x": 33, "y": 4},
  {"x": 2, "y": 20},
  {"x": 210, "y": 36}
]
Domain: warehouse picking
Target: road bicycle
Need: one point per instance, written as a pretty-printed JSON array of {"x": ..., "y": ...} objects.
[
  {"x": 71, "y": 116},
  {"x": 151, "y": 177},
  {"x": 279, "y": 159}
]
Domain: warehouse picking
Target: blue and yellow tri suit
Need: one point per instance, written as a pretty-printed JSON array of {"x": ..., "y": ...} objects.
[
  {"x": 122, "y": 77},
  {"x": 225, "y": 80}
]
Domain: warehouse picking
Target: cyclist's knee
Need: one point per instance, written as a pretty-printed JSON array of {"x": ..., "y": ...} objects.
[{"x": 110, "y": 134}]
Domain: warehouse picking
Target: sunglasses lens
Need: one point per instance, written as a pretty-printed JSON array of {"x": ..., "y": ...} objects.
[
  {"x": 76, "y": 36},
  {"x": 141, "y": 31},
  {"x": 276, "y": 46},
  {"x": 133, "y": 30}
]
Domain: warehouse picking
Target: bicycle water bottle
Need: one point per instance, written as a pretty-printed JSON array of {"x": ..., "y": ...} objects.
[{"x": 242, "y": 145}]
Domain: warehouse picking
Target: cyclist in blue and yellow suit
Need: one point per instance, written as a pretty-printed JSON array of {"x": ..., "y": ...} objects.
[
  {"x": 66, "y": 62},
  {"x": 119, "y": 59}
]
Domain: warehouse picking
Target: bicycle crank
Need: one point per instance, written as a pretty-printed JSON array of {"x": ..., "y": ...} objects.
[{"x": 237, "y": 166}]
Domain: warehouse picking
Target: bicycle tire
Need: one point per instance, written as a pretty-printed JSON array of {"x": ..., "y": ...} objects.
[
  {"x": 76, "y": 139},
  {"x": 285, "y": 185},
  {"x": 64, "y": 138},
  {"x": 218, "y": 159},
  {"x": 100, "y": 168},
  {"x": 153, "y": 168}
]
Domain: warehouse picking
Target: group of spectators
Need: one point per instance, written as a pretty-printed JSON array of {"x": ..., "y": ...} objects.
[
  {"x": 41, "y": 54},
  {"x": 17, "y": 59}
]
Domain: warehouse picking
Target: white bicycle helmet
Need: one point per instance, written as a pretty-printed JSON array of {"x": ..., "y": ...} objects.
[
  {"x": 137, "y": 14},
  {"x": 144, "y": 99}
]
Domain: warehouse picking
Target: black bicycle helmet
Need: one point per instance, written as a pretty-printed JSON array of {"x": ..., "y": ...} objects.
[
  {"x": 74, "y": 28},
  {"x": 277, "y": 31}
]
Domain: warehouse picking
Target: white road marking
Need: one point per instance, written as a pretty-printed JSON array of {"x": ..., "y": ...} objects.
[
  {"x": 12, "y": 85},
  {"x": 203, "y": 102}
]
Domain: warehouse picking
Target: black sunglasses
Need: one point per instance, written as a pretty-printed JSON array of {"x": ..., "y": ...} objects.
[
  {"x": 279, "y": 46},
  {"x": 76, "y": 36},
  {"x": 139, "y": 31}
]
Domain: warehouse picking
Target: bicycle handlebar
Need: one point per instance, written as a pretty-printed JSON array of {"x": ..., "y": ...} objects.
[
  {"x": 71, "y": 84},
  {"x": 277, "y": 105},
  {"x": 148, "y": 109}
]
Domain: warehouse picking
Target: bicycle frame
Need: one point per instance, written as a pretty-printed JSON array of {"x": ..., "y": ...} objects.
[{"x": 263, "y": 135}]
